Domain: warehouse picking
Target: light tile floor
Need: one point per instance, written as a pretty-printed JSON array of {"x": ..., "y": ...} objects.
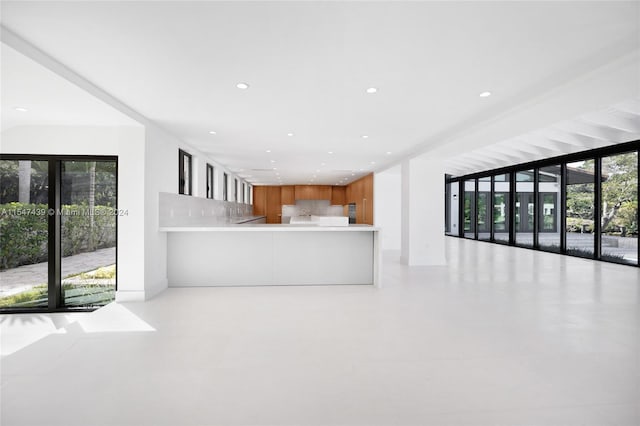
[{"x": 500, "y": 336}]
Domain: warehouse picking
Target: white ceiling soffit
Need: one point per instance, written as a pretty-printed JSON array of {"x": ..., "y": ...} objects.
[
  {"x": 308, "y": 65},
  {"x": 616, "y": 124},
  {"x": 47, "y": 98}
]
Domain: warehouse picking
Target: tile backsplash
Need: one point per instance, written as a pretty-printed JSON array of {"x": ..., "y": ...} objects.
[
  {"x": 312, "y": 207},
  {"x": 185, "y": 210}
]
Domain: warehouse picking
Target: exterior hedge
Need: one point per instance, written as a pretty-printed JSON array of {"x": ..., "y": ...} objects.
[{"x": 23, "y": 232}]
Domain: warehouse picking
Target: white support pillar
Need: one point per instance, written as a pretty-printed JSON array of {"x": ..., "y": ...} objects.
[{"x": 423, "y": 211}]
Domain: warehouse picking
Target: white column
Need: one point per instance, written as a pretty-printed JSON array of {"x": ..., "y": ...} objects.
[{"x": 423, "y": 211}]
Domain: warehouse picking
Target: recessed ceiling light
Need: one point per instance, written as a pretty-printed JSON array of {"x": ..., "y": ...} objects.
[
  {"x": 273, "y": 161},
  {"x": 267, "y": 151},
  {"x": 21, "y": 109},
  {"x": 353, "y": 174},
  {"x": 242, "y": 86},
  {"x": 365, "y": 137},
  {"x": 388, "y": 152},
  {"x": 372, "y": 90},
  {"x": 330, "y": 152},
  {"x": 373, "y": 162},
  {"x": 289, "y": 134},
  {"x": 212, "y": 132},
  {"x": 485, "y": 94},
  {"x": 275, "y": 168}
]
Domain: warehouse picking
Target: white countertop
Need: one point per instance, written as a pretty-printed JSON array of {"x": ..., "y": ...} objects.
[{"x": 262, "y": 227}]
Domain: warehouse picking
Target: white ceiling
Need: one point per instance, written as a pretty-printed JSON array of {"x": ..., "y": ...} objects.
[
  {"x": 308, "y": 65},
  {"x": 613, "y": 125},
  {"x": 49, "y": 98}
]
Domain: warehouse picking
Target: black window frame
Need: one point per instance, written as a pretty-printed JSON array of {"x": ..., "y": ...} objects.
[
  {"x": 225, "y": 187},
  {"x": 54, "y": 237},
  {"x": 561, "y": 197},
  {"x": 210, "y": 183},
  {"x": 181, "y": 173}
]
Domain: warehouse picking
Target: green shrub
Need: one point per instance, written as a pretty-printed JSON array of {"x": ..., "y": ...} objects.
[
  {"x": 78, "y": 236},
  {"x": 24, "y": 236}
]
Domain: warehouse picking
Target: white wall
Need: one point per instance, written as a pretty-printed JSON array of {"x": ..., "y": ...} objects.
[
  {"x": 423, "y": 211},
  {"x": 125, "y": 142},
  {"x": 161, "y": 175},
  {"x": 387, "y": 207}
]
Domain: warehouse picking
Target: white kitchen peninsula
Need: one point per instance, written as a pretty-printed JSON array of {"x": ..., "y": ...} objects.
[{"x": 261, "y": 255}]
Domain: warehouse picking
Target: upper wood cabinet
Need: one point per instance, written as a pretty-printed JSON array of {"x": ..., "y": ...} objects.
[
  {"x": 288, "y": 195},
  {"x": 313, "y": 192},
  {"x": 338, "y": 195},
  {"x": 323, "y": 192}
]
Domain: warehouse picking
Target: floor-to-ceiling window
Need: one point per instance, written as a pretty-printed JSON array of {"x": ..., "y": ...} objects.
[
  {"x": 581, "y": 204},
  {"x": 469, "y": 208},
  {"x": 580, "y": 207},
  {"x": 88, "y": 238},
  {"x": 24, "y": 233},
  {"x": 501, "y": 189},
  {"x": 483, "y": 208},
  {"x": 619, "y": 210},
  {"x": 549, "y": 213},
  {"x": 57, "y": 232},
  {"x": 525, "y": 205}
]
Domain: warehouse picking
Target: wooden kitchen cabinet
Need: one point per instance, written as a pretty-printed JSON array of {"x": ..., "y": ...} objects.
[
  {"x": 322, "y": 192},
  {"x": 338, "y": 195},
  {"x": 266, "y": 202},
  {"x": 274, "y": 206},
  {"x": 287, "y": 195},
  {"x": 302, "y": 192},
  {"x": 259, "y": 200},
  {"x": 360, "y": 193},
  {"x": 313, "y": 192}
]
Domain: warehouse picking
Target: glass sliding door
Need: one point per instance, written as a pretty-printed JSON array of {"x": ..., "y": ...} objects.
[
  {"x": 501, "y": 187},
  {"x": 88, "y": 198},
  {"x": 619, "y": 209},
  {"x": 525, "y": 206},
  {"x": 24, "y": 235},
  {"x": 580, "y": 208},
  {"x": 581, "y": 204},
  {"x": 469, "y": 208},
  {"x": 483, "y": 216},
  {"x": 549, "y": 219}
]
